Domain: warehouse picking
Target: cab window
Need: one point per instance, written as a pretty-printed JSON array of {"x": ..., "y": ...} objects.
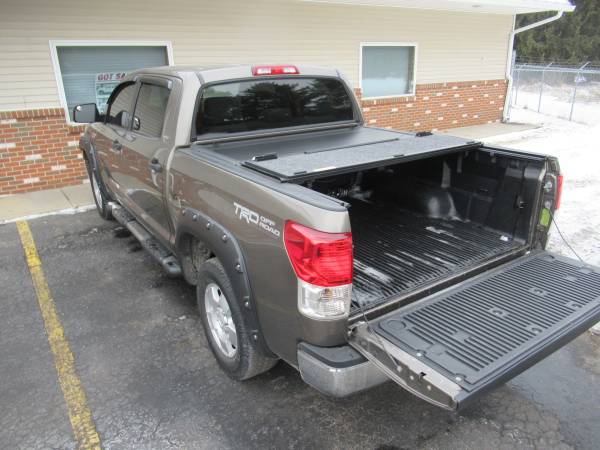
[
  {"x": 120, "y": 108},
  {"x": 150, "y": 110},
  {"x": 263, "y": 104}
]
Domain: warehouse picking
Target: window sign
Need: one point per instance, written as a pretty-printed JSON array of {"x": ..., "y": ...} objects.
[{"x": 105, "y": 84}]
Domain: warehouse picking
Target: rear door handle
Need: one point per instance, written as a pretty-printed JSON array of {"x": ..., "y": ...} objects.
[
  {"x": 117, "y": 146},
  {"x": 154, "y": 165}
]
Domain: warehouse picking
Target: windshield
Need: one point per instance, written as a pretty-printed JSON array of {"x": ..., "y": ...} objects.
[{"x": 265, "y": 104}]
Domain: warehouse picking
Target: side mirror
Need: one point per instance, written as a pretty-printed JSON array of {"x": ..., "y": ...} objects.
[
  {"x": 125, "y": 119},
  {"x": 86, "y": 113},
  {"x": 136, "y": 123}
]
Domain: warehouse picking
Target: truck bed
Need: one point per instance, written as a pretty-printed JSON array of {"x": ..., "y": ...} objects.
[{"x": 398, "y": 251}]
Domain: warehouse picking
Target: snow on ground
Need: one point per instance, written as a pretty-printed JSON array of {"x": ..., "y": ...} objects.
[
  {"x": 578, "y": 148},
  {"x": 556, "y": 101}
]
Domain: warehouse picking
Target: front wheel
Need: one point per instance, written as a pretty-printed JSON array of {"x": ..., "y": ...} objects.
[
  {"x": 99, "y": 197},
  {"x": 224, "y": 326}
]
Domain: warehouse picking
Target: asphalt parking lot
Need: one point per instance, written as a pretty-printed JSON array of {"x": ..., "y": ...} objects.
[{"x": 150, "y": 380}]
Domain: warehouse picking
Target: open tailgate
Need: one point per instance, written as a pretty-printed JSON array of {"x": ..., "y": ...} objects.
[{"x": 454, "y": 345}]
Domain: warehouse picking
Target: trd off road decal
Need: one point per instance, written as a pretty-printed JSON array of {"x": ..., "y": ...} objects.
[{"x": 254, "y": 218}]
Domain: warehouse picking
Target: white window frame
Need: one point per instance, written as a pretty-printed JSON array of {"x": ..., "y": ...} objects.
[
  {"x": 389, "y": 44},
  {"x": 54, "y": 44}
]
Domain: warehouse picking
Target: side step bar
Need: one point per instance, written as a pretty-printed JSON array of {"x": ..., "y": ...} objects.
[{"x": 166, "y": 259}]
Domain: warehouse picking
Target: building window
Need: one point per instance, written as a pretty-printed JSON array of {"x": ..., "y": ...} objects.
[
  {"x": 387, "y": 70},
  {"x": 88, "y": 72}
]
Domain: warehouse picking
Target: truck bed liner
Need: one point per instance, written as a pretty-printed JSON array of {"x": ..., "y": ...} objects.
[{"x": 399, "y": 251}]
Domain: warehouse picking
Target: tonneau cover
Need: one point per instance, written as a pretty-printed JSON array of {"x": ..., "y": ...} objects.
[{"x": 384, "y": 148}]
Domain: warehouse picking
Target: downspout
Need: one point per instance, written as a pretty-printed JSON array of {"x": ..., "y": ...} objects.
[{"x": 511, "y": 44}]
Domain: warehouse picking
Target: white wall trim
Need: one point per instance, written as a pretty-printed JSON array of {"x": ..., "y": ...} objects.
[
  {"x": 415, "y": 45},
  {"x": 469, "y": 6},
  {"x": 54, "y": 44}
]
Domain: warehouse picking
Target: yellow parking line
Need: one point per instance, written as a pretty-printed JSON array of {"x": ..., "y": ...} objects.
[{"x": 79, "y": 413}]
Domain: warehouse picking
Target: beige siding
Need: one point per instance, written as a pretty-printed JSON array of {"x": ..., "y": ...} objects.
[{"x": 451, "y": 46}]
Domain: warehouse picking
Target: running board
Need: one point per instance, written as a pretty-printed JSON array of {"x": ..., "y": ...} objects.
[
  {"x": 453, "y": 346},
  {"x": 166, "y": 259}
]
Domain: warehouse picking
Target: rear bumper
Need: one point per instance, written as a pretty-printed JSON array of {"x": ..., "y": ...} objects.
[{"x": 337, "y": 371}]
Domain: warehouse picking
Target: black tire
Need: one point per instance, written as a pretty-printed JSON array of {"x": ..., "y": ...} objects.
[
  {"x": 246, "y": 362},
  {"x": 100, "y": 198}
]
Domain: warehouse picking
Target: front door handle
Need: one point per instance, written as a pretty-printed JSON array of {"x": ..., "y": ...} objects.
[
  {"x": 155, "y": 165},
  {"x": 117, "y": 146}
]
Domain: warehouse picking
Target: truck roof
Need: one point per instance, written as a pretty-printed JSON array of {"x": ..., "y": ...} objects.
[{"x": 209, "y": 74}]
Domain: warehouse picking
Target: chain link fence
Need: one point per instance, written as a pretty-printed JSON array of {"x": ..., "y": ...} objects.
[{"x": 567, "y": 91}]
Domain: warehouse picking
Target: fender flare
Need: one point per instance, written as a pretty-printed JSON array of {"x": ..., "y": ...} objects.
[
  {"x": 86, "y": 147},
  {"x": 226, "y": 248},
  {"x": 90, "y": 154}
]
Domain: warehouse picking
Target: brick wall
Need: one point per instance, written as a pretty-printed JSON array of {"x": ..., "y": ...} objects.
[
  {"x": 38, "y": 150},
  {"x": 439, "y": 106}
]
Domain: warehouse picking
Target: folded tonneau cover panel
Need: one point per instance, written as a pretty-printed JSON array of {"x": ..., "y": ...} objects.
[
  {"x": 391, "y": 147},
  {"x": 485, "y": 330}
]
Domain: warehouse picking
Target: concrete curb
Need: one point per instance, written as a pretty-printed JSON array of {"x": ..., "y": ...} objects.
[
  {"x": 66, "y": 211},
  {"x": 65, "y": 200}
]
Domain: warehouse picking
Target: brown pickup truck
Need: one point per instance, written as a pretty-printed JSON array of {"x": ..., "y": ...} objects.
[{"x": 355, "y": 254}]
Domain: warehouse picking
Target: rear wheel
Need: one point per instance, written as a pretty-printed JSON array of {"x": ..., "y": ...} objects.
[
  {"x": 224, "y": 326},
  {"x": 220, "y": 321},
  {"x": 99, "y": 197}
]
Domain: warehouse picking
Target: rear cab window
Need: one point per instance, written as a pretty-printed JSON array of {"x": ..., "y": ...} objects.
[{"x": 266, "y": 104}]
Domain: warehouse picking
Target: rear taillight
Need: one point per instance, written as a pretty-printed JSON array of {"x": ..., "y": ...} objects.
[
  {"x": 323, "y": 264},
  {"x": 320, "y": 258},
  {"x": 559, "y": 188},
  {"x": 275, "y": 70}
]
